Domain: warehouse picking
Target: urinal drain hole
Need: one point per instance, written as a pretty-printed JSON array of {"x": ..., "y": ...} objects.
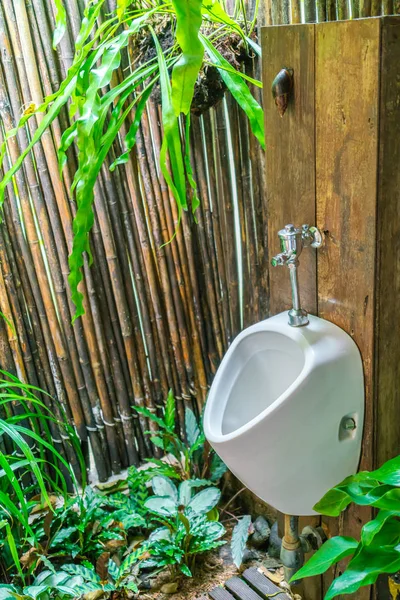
[{"x": 347, "y": 427}]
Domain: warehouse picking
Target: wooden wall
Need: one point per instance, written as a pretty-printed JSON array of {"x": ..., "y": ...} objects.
[{"x": 333, "y": 160}]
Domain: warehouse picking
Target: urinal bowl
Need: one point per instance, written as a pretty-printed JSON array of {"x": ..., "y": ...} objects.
[{"x": 285, "y": 411}]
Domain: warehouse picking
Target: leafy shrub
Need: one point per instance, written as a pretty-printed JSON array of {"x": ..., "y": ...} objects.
[
  {"x": 98, "y": 112},
  {"x": 88, "y": 525},
  {"x": 31, "y": 469},
  {"x": 196, "y": 459},
  {"x": 378, "y": 550},
  {"x": 188, "y": 525}
]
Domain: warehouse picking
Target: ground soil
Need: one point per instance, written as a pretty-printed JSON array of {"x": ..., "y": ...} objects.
[{"x": 212, "y": 569}]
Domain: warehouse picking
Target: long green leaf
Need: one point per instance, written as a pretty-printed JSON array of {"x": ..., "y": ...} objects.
[
  {"x": 130, "y": 138},
  {"x": 171, "y": 143},
  {"x": 61, "y": 23},
  {"x": 330, "y": 553},
  {"x": 364, "y": 569},
  {"x": 215, "y": 12},
  {"x": 186, "y": 70},
  {"x": 238, "y": 89}
]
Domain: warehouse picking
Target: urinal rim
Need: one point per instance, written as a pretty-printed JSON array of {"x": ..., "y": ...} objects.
[{"x": 213, "y": 429}]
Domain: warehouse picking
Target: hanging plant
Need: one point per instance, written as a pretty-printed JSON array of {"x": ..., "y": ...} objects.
[{"x": 187, "y": 52}]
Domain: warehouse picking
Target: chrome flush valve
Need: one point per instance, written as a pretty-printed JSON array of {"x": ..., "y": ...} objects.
[{"x": 292, "y": 241}]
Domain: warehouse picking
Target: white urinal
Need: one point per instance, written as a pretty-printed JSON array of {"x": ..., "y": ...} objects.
[{"x": 285, "y": 411}]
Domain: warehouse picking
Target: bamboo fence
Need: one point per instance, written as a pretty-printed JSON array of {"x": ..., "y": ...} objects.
[{"x": 159, "y": 315}]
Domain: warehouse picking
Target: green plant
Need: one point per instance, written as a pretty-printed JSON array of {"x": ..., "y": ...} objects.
[
  {"x": 31, "y": 469},
  {"x": 378, "y": 550},
  {"x": 88, "y": 525},
  {"x": 70, "y": 582},
  {"x": 240, "y": 535},
  {"x": 98, "y": 112},
  {"x": 196, "y": 459},
  {"x": 188, "y": 524}
]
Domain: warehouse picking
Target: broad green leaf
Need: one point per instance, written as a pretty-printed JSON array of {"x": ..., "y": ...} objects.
[
  {"x": 240, "y": 536},
  {"x": 205, "y": 500},
  {"x": 61, "y": 23},
  {"x": 163, "y": 486},
  {"x": 333, "y": 503},
  {"x": 186, "y": 487},
  {"x": 330, "y": 553},
  {"x": 185, "y": 570},
  {"x": 171, "y": 143},
  {"x": 170, "y": 411},
  {"x": 164, "y": 506},
  {"x": 389, "y": 472},
  {"x": 372, "y": 528},
  {"x": 186, "y": 70},
  {"x": 62, "y": 535},
  {"x": 34, "y": 590},
  {"x": 218, "y": 468},
  {"x": 239, "y": 90},
  {"x": 364, "y": 569},
  {"x": 191, "y": 427}
]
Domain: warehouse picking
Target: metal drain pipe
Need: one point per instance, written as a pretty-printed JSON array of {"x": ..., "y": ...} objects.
[{"x": 292, "y": 552}]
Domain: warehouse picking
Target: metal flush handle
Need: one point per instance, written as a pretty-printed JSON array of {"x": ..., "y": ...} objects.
[{"x": 292, "y": 241}]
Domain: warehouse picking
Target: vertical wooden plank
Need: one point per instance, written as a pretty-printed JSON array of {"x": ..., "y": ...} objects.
[
  {"x": 347, "y": 105},
  {"x": 290, "y": 174},
  {"x": 387, "y": 442},
  {"x": 290, "y": 156}
]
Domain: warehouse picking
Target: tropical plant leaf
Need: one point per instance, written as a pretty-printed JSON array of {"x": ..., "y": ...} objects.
[
  {"x": 142, "y": 410},
  {"x": 87, "y": 574},
  {"x": 185, "y": 71},
  {"x": 122, "y": 5},
  {"x": 161, "y": 505},
  {"x": 330, "y": 552},
  {"x": 170, "y": 411},
  {"x": 171, "y": 143},
  {"x": 205, "y": 500},
  {"x": 163, "y": 486},
  {"x": 364, "y": 569},
  {"x": 333, "y": 503},
  {"x": 218, "y": 468},
  {"x": 372, "y": 528},
  {"x": 191, "y": 427},
  {"x": 61, "y": 23},
  {"x": 130, "y": 138},
  {"x": 240, "y": 535},
  {"x": 215, "y": 12},
  {"x": 389, "y": 472},
  {"x": 132, "y": 559},
  {"x": 188, "y": 166},
  {"x": 239, "y": 90},
  {"x": 186, "y": 487},
  {"x": 186, "y": 571}
]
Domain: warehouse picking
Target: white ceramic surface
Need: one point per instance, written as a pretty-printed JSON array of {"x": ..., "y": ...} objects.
[{"x": 275, "y": 410}]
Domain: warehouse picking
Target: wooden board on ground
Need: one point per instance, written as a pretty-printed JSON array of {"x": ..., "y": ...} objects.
[
  {"x": 262, "y": 585},
  {"x": 252, "y": 585}
]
